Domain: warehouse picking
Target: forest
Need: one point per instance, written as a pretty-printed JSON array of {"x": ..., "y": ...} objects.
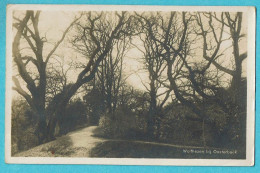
[{"x": 159, "y": 76}]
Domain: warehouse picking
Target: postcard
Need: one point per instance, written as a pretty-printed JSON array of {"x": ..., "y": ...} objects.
[{"x": 130, "y": 85}]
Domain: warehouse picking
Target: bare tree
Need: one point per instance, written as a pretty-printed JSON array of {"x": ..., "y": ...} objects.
[
  {"x": 110, "y": 77},
  {"x": 152, "y": 24},
  {"x": 204, "y": 78},
  {"x": 57, "y": 76},
  {"x": 94, "y": 40},
  {"x": 28, "y": 30},
  {"x": 233, "y": 22},
  {"x": 207, "y": 32},
  {"x": 237, "y": 90},
  {"x": 98, "y": 48},
  {"x": 172, "y": 37}
]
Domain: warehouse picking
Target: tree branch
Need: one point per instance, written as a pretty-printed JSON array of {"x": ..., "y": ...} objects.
[
  {"x": 61, "y": 39},
  {"x": 17, "y": 56},
  {"x": 23, "y": 93}
]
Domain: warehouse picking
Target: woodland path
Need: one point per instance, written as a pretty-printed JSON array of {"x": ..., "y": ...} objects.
[{"x": 79, "y": 143}]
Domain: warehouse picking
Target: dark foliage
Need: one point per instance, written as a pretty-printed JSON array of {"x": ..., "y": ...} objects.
[
  {"x": 23, "y": 127},
  {"x": 74, "y": 117}
]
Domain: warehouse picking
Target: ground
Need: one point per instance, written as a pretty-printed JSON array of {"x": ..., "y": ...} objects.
[
  {"x": 75, "y": 144},
  {"x": 84, "y": 143}
]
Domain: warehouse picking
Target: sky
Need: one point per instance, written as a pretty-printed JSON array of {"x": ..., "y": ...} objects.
[{"x": 53, "y": 23}]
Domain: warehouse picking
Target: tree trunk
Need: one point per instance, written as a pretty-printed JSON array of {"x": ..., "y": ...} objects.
[
  {"x": 41, "y": 130},
  {"x": 51, "y": 129},
  {"x": 152, "y": 110}
]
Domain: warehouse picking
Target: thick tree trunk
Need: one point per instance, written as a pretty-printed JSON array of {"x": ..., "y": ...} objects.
[
  {"x": 60, "y": 103},
  {"x": 53, "y": 112},
  {"x": 55, "y": 119},
  {"x": 40, "y": 112},
  {"x": 41, "y": 130}
]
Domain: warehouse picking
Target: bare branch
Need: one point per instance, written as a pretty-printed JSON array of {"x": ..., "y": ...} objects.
[
  {"x": 19, "y": 89},
  {"x": 60, "y": 41}
]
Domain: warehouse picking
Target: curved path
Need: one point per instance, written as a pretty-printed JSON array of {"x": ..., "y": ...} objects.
[
  {"x": 75, "y": 144},
  {"x": 79, "y": 143}
]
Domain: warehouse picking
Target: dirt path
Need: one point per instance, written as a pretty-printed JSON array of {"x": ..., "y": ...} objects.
[
  {"x": 84, "y": 137},
  {"x": 79, "y": 143},
  {"x": 75, "y": 144}
]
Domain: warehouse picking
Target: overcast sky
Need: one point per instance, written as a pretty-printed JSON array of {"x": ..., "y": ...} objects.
[{"x": 53, "y": 23}]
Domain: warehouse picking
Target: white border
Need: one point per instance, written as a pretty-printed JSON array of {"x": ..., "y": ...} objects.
[{"x": 249, "y": 161}]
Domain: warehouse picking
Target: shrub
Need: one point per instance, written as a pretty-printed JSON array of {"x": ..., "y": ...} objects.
[
  {"x": 23, "y": 123},
  {"x": 120, "y": 124},
  {"x": 74, "y": 117}
]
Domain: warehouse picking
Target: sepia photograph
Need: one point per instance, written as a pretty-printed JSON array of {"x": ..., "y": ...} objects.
[{"x": 130, "y": 85}]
